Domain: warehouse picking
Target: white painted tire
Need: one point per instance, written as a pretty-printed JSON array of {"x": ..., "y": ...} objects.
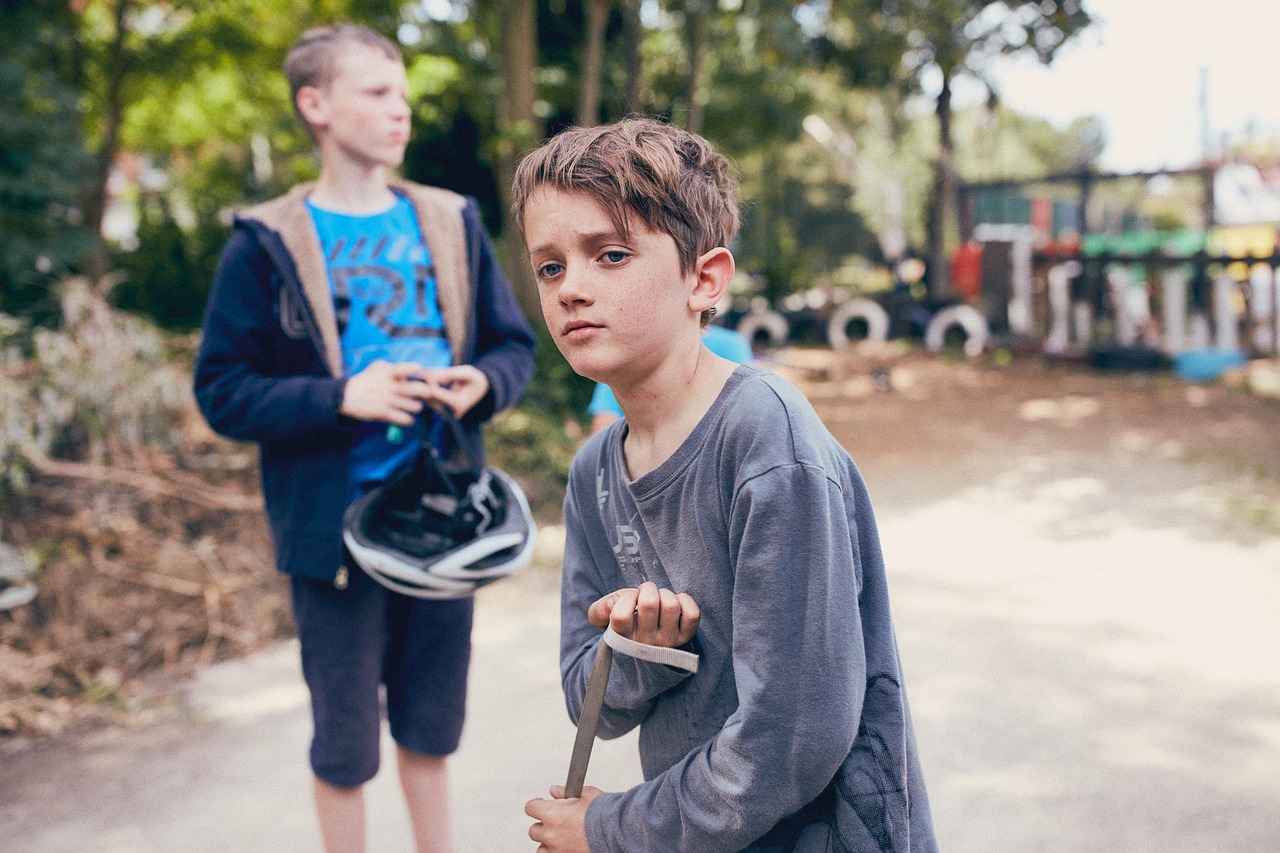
[
  {"x": 773, "y": 324},
  {"x": 869, "y": 311},
  {"x": 967, "y": 318}
]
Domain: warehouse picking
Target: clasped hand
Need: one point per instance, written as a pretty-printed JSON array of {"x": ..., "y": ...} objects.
[
  {"x": 647, "y": 614},
  {"x": 395, "y": 393}
]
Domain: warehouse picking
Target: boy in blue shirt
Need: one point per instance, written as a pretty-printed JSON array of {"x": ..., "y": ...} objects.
[
  {"x": 342, "y": 312},
  {"x": 721, "y": 516}
]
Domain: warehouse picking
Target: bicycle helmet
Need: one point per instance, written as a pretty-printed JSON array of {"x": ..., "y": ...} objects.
[{"x": 439, "y": 528}]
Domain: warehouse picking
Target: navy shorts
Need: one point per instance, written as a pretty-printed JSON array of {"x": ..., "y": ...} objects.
[{"x": 357, "y": 640}]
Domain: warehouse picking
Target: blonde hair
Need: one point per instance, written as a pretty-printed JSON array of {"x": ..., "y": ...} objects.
[
  {"x": 313, "y": 59},
  {"x": 673, "y": 180}
]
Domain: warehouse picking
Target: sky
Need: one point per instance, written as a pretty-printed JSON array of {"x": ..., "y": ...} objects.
[{"x": 1145, "y": 66}]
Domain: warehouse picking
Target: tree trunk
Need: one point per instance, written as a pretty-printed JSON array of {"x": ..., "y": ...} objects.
[
  {"x": 943, "y": 200},
  {"x": 697, "y": 37},
  {"x": 633, "y": 32},
  {"x": 592, "y": 62},
  {"x": 518, "y": 131},
  {"x": 95, "y": 205},
  {"x": 519, "y": 60}
]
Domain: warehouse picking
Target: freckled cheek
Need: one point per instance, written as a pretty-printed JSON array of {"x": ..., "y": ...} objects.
[
  {"x": 642, "y": 313},
  {"x": 545, "y": 303},
  {"x": 549, "y": 304},
  {"x": 638, "y": 329}
]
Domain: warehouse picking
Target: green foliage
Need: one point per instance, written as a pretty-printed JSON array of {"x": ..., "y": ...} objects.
[
  {"x": 202, "y": 98},
  {"x": 453, "y": 123},
  {"x": 998, "y": 144},
  {"x": 946, "y": 39},
  {"x": 954, "y": 36},
  {"x": 205, "y": 71},
  {"x": 756, "y": 105},
  {"x": 168, "y": 276},
  {"x": 43, "y": 166},
  {"x": 537, "y": 450},
  {"x": 536, "y": 441},
  {"x": 854, "y": 39},
  {"x": 798, "y": 225}
]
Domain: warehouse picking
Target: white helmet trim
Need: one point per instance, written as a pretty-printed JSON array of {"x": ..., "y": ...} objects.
[{"x": 450, "y": 577}]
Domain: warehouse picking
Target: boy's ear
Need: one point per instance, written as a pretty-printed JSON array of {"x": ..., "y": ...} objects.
[
  {"x": 311, "y": 106},
  {"x": 712, "y": 273}
]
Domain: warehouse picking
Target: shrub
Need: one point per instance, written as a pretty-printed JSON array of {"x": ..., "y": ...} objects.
[{"x": 100, "y": 387}]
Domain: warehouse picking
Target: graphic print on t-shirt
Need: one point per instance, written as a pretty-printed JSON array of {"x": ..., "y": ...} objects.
[
  {"x": 384, "y": 296},
  {"x": 627, "y": 537},
  {"x": 384, "y": 288}
]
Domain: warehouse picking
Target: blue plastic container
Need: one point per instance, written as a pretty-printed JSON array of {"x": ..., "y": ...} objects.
[{"x": 1206, "y": 365}]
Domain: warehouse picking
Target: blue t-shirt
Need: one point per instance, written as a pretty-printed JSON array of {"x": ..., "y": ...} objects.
[
  {"x": 384, "y": 295},
  {"x": 725, "y": 343}
]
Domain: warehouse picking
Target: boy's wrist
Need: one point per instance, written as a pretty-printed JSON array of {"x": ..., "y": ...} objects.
[{"x": 339, "y": 394}]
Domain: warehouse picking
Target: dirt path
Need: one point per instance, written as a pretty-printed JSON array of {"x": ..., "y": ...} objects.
[
  {"x": 1086, "y": 581},
  {"x": 1087, "y": 588}
]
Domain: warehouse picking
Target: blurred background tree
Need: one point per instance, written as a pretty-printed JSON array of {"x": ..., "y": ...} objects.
[
  {"x": 924, "y": 46},
  {"x": 135, "y": 128},
  {"x": 44, "y": 166}
]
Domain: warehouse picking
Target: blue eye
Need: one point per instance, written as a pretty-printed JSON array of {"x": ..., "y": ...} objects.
[
  {"x": 549, "y": 270},
  {"x": 615, "y": 256}
]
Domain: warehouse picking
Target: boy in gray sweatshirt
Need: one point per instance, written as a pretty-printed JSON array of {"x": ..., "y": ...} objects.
[{"x": 719, "y": 516}]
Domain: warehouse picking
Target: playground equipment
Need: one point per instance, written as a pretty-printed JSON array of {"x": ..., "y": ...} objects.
[
  {"x": 763, "y": 322},
  {"x": 1160, "y": 300},
  {"x": 1079, "y": 282},
  {"x": 868, "y": 311},
  {"x": 968, "y": 318},
  {"x": 1143, "y": 297}
]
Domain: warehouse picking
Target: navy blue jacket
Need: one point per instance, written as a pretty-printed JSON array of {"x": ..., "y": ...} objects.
[{"x": 269, "y": 366}]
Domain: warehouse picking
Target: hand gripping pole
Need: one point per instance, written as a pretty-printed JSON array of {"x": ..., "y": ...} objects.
[{"x": 593, "y": 701}]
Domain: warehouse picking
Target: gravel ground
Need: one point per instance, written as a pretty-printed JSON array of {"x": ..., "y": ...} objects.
[{"x": 1085, "y": 572}]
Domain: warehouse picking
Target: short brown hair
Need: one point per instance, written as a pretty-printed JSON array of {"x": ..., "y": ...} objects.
[
  {"x": 673, "y": 180},
  {"x": 313, "y": 59}
]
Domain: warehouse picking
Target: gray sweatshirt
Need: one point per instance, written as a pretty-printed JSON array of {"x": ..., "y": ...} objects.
[{"x": 794, "y": 734}]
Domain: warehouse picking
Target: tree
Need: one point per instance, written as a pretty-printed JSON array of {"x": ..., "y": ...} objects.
[
  {"x": 597, "y": 19},
  {"x": 43, "y": 164},
  {"x": 191, "y": 91},
  {"x": 996, "y": 143},
  {"x": 879, "y": 151},
  {"x": 947, "y": 39},
  {"x": 740, "y": 74},
  {"x": 518, "y": 129}
]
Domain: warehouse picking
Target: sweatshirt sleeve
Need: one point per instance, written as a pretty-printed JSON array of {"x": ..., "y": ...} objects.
[
  {"x": 633, "y": 685},
  {"x": 800, "y": 672},
  {"x": 247, "y": 388}
]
